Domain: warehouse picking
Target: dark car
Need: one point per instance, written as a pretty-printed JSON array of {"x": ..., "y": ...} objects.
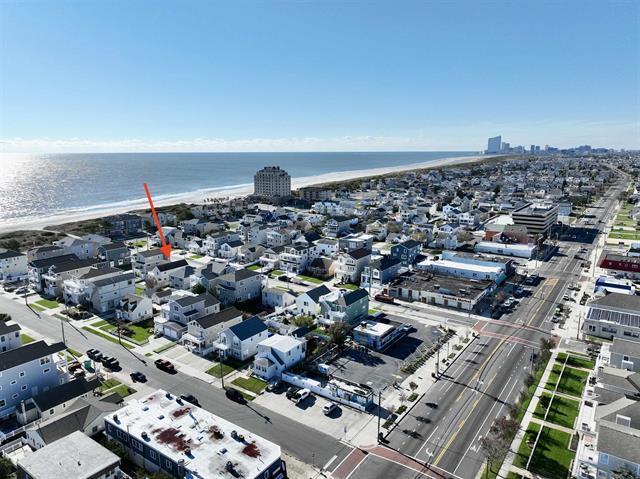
[
  {"x": 292, "y": 391},
  {"x": 94, "y": 354},
  {"x": 112, "y": 364},
  {"x": 190, "y": 398},
  {"x": 165, "y": 365},
  {"x": 284, "y": 278},
  {"x": 105, "y": 359},
  {"x": 137, "y": 376},
  {"x": 235, "y": 395}
]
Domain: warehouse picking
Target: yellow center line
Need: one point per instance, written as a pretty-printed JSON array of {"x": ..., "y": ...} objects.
[{"x": 452, "y": 438}]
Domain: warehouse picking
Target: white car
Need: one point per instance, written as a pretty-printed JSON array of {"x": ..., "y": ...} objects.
[
  {"x": 329, "y": 408},
  {"x": 302, "y": 395}
]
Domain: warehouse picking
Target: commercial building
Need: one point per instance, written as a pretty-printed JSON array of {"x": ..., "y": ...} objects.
[
  {"x": 160, "y": 432},
  {"x": 376, "y": 335},
  {"x": 621, "y": 265},
  {"x": 516, "y": 250},
  {"x": 537, "y": 217},
  {"x": 441, "y": 290},
  {"x": 494, "y": 144},
  {"x": 468, "y": 266},
  {"x": 615, "y": 315},
  {"x": 272, "y": 182}
]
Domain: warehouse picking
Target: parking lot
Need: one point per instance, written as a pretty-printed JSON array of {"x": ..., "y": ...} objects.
[{"x": 381, "y": 369}]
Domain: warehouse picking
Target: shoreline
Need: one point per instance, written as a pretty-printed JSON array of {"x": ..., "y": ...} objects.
[{"x": 198, "y": 197}]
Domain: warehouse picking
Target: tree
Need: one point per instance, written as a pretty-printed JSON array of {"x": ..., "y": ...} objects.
[
  {"x": 505, "y": 428},
  {"x": 338, "y": 332},
  {"x": 494, "y": 449},
  {"x": 6, "y": 467},
  {"x": 465, "y": 236},
  {"x": 198, "y": 289},
  {"x": 304, "y": 321}
]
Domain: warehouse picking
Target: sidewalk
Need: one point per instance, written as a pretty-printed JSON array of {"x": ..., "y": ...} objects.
[{"x": 528, "y": 417}]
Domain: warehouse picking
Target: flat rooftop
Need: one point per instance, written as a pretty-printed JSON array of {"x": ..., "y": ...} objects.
[
  {"x": 438, "y": 283},
  {"x": 200, "y": 438},
  {"x": 480, "y": 266},
  {"x": 74, "y": 456},
  {"x": 373, "y": 328}
]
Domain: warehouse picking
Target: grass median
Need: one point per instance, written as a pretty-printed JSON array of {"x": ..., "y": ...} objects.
[{"x": 108, "y": 337}]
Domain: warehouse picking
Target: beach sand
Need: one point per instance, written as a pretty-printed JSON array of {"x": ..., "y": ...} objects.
[{"x": 198, "y": 197}]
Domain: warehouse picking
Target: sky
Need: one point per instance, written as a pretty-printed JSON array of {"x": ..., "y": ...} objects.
[{"x": 299, "y": 75}]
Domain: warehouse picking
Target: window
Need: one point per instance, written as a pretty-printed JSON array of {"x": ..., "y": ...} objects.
[
  {"x": 137, "y": 445},
  {"x": 13, "y": 382},
  {"x": 604, "y": 458},
  {"x": 24, "y": 387},
  {"x": 22, "y": 373},
  {"x": 15, "y": 396},
  {"x": 152, "y": 454},
  {"x": 3, "y": 403},
  {"x": 46, "y": 370},
  {"x": 44, "y": 361}
]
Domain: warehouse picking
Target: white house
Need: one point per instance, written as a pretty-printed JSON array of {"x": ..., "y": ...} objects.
[
  {"x": 241, "y": 340},
  {"x": 277, "y": 354},
  {"x": 160, "y": 275},
  {"x": 13, "y": 265},
  {"x": 277, "y": 298},
  {"x": 133, "y": 308},
  {"x": 202, "y": 333},
  {"x": 309, "y": 302}
]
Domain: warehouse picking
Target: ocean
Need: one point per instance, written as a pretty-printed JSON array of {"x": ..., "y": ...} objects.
[{"x": 33, "y": 187}]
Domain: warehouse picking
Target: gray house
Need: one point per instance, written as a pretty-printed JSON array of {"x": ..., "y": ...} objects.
[{"x": 625, "y": 354}]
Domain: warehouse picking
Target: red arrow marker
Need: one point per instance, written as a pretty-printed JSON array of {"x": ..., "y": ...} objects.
[{"x": 165, "y": 249}]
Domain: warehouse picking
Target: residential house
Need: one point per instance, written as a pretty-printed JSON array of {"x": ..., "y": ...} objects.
[
  {"x": 29, "y": 370},
  {"x": 45, "y": 252},
  {"x": 276, "y": 354},
  {"x": 321, "y": 268},
  {"x": 38, "y": 268},
  {"x": 145, "y": 261},
  {"x": 9, "y": 336},
  {"x": 239, "y": 286},
  {"x": 133, "y": 308},
  {"x": 56, "y": 275},
  {"x": 309, "y": 302},
  {"x": 213, "y": 241},
  {"x": 277, "y": 298},
  {"x": 351, "y": 264},
  {"x": 159, "y": 276},
  {"x": 344, "y": 306},
  {"x": 240, "y": 341},
  {"x": 177, "y": 313},
  {"x": 182, "y": 278},
  {"x": 102, "y": 292},
  {"x": 202, "y": 333},
  {"x": 114, "y": 254},
  {"x": 124, "y": 225},
  {"x": 381, "y": 270},
  {"x": 337, "y": 226},
  {"x": 406, "y": 252},
  {"x": 198, "y": 227},
  {"x": 294, "y": 259},
  {"x": 13, "y": 265},
  {"x": 230, "y": 249},
  {"x": 82, "y": 248}
]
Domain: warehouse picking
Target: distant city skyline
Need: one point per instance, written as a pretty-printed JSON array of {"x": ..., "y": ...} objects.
[{"x": 316, "y": 76}]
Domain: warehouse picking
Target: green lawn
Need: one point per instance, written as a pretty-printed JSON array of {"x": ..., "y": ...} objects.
[
  {"x": 164, "y": 348},
  {"x": 552, "y": 456},
  {"x": 350, "y": 286},
  {"x": 37, "y": 307},
  {"x": 275, "y": 273},
  {"x": 108, "y": 384},
  {"x": 141, "y": 331},
  {"x": 215, "y": 370},
  {"x": 77, "y": 354},
  {"x": 310, "y": 279},
  {"x": 624, "y": 235},
  {"x": 562, "y": 412},
  {"x": 576, "y": 361},
  {"x": 139, "y": 290},
  {"x": 100, "y": 323},
  {"x": 254, "y": 267},
  {"x": 48, "y": 303},
  {"x": 572, "y": 381},
  {"x": 252, "y": 384},
  {"x": 513, "y": 475},
  {"x": 108, "y": 337},
  {"x": 26, "y": 339},
  {"x": 123, "y": 390},
  {"x": 524, "y": 451},
  {"x": 139, "y": 243},
  {"x": 196, "y": 256},
  {"x": 372, "y": 311}
]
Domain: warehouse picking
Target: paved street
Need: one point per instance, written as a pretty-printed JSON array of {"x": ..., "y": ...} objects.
[
  {"x": 444, "y": 428},
  {"x": 303, "y": 442}
]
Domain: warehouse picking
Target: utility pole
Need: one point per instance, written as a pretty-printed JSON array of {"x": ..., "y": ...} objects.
[
  {"x": 379, "y": 412},
  {"x": 438, "y": 359},
  {"x": 221, "y": 372}
]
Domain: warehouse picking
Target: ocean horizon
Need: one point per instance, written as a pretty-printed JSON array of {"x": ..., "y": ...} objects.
[{"x": 49, "y": 185}]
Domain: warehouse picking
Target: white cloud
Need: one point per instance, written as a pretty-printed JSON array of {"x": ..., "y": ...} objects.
[{"x": 616, "y": 134}]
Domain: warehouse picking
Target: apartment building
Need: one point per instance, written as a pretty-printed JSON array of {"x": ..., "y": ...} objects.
[
  {"x": 272, "y": 182},
  {"x": 537, "y": 217}
]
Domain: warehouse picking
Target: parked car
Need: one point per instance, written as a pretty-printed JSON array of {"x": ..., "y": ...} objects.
[
  {"x": 22, "y": 290},
  {"x": 165, "y": 365},
  {"x": 292, "y": 391},
  {"x": 274, "y": 386},
  {"x": 235, "y": 395},
  {"x": 384, "y": 298},
  {"x": 302, "y": 395},
  {"x": 328, "y": 408},
  {"x": 519, "y": 291},
  {"x": 137, "y": 376},
  {"x": 112, "y": 364},
  {"x": 92, "y": 353},
  {"x": 190, "y": 398}
]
